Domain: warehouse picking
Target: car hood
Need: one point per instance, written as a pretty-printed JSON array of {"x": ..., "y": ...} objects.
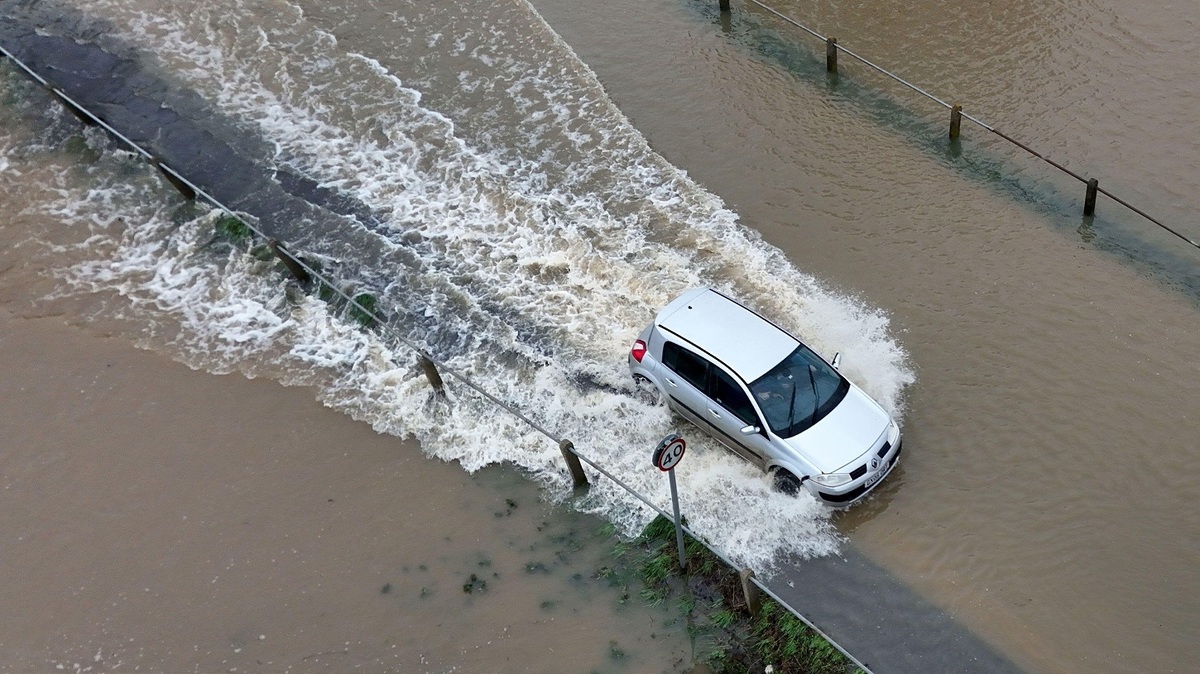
[{"x": 846, "y": 433}]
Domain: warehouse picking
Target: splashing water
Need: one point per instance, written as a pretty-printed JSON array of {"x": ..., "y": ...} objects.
[{"x": 546, "y": 234}]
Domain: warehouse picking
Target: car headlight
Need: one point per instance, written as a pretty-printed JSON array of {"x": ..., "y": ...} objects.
[
  {"x": 832, "y": 479},
  {"x": 893, "y": 432}
]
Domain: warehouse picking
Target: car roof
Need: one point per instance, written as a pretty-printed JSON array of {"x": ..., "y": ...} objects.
[{"x": 747, "y": 343}]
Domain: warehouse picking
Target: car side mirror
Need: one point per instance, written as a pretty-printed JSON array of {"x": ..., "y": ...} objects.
[
  {"x": 837, "y": 360},
  {"x": 751, "y": 430}
]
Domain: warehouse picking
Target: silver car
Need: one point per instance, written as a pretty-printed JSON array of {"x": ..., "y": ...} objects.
[{"x": 767, "y": 396}]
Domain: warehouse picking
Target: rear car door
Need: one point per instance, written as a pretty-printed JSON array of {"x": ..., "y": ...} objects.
[{"x": 685, "y": 374}]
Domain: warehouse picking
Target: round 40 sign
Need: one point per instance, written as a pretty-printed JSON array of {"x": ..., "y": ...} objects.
[{"x": 669, "y": 452}]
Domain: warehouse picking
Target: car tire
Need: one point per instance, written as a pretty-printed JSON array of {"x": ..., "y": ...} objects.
[
  {"x": 646, "y": 391},
  {"x": 786, "y": 482}
]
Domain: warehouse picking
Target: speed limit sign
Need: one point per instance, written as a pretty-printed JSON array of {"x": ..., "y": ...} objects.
[
  {"x": 669, "y": 452},
  {"x": 666, "y": 457}
]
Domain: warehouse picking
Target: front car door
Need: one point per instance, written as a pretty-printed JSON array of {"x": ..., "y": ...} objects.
[{"x": 729, "y": 411}]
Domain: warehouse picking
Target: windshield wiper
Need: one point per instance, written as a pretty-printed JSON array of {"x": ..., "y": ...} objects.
[
  {"x": 792, "y": 408},
  {"x": 812, "y": 379}
]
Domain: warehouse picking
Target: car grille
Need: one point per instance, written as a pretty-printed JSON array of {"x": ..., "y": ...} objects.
[
  {"x": 862, "y": 470},
  {"x": 859, "y": 491}
]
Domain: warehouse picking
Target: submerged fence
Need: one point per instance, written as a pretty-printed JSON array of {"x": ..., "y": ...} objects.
[
  {"x": 833, "y": 48},
  {"x": 307, "y": 274}
]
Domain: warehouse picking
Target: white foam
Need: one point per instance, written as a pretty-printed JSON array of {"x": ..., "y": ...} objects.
[{"x": 545, "y": 269}]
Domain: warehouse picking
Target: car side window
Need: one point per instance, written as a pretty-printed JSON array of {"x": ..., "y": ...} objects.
[
  {"x": 688, "y": 365},
  {"x": 723, "y": 389}
]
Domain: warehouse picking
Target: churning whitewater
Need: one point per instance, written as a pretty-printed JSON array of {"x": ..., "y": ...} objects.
[{"x": 536, "y": 230}]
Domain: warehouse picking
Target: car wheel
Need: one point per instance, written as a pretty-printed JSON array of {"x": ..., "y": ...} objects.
[
  {"x": 786, "y": 482},
  {"x": 646, "y": 391}
]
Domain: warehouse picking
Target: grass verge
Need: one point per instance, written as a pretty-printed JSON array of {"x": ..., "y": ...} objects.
[{"x": 726, "y": 638}]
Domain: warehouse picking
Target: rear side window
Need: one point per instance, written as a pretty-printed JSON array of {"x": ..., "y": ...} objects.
[
  {"x": 688, "y": 365},
  {"x": 724, "y": 390}
]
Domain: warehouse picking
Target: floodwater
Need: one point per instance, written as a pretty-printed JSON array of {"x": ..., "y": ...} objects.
[
  {"x": 165, "y": 520},
  {"x": 1048, "y": 496},
  {"x": 559, "y": 170},
  {"x": 162, "y": 519}
]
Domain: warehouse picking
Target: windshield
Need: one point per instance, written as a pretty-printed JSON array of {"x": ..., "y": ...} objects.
[{"x": 798, "y": 392}]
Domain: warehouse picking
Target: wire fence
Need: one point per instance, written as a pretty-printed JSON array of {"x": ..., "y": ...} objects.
[
  {"x": 300, "y": 268},
  {"x": 833, "y": 48}
]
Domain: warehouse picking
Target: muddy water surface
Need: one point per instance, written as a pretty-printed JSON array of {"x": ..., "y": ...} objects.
[
  {"x": 1046, "y": 496},
  {"x": 160, "y": 519},
  {"x": 157, "y": 518}
]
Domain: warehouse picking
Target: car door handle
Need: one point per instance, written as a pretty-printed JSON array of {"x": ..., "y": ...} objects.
[
  {"x": 714, "y": 413},
  {"x": 673, "y": 384}
]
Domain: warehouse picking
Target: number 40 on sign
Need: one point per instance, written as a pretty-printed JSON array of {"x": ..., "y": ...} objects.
[
  {"x": 666, "y": 457},
  {"x": 669, "y": 452}
]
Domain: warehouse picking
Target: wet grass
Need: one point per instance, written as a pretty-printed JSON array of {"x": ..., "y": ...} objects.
[
  {"x": 474, "y": 584},
  {"x": 232, "y": 229},
  {"x": 78, "y": 147},
  {"x": 510, "y": 506},
  {"x": 262, "y": 253},
  {"x": 708, "y": 597},
  {"x": 363, "y": 310}
]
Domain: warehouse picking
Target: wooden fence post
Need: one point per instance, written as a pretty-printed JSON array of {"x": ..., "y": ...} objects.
[
  {"x": 955, "y": 121},
  {"x": 751, "y": 592},
  {"x": 75, "y": 110},
  {"x": 577, "y": 475},
  {"x": 831, "y": 50},
  {"x": 432, "y": 374},
  {"x": 1089, "y": 201},
  {"x": 184, "y": 189},
  {"x": 288, "y": 261}
]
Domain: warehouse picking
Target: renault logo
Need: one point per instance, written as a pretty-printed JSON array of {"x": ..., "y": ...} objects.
[{"x": 874, "y": 463}]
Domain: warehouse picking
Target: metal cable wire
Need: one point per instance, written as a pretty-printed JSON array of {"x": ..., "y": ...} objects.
[
  {"x": 728, "y": 562},
  {"x": 1183, "y": 237},
  {"x": 840, "y": 48},
  {"x": 380, "y": 321},
  {"x": 378, "y": 318}
]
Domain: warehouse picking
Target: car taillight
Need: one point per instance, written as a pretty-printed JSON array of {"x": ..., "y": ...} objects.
[{"x": 638, "y": 350}]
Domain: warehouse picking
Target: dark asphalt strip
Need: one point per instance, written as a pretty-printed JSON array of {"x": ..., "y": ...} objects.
[{"x": 883, "y": 623}]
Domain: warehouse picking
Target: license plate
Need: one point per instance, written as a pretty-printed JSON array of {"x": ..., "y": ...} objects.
[{"x": 878, "y": 475}]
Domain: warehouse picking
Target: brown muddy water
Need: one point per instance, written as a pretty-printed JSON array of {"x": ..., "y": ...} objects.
[
  {"x": 1047, "y": 495},
  {"x": 166, "y": 520},
  {"x": 158, "y": 518}
]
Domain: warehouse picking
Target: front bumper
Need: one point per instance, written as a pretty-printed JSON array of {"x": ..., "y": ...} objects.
[{"x": 889, "y": 457}]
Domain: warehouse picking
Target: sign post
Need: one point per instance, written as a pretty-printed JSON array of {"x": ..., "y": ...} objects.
[{"x": 666, "y": 456}]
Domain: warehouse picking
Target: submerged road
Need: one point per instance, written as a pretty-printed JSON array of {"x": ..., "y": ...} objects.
[{"x": 880, "y": 621}]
